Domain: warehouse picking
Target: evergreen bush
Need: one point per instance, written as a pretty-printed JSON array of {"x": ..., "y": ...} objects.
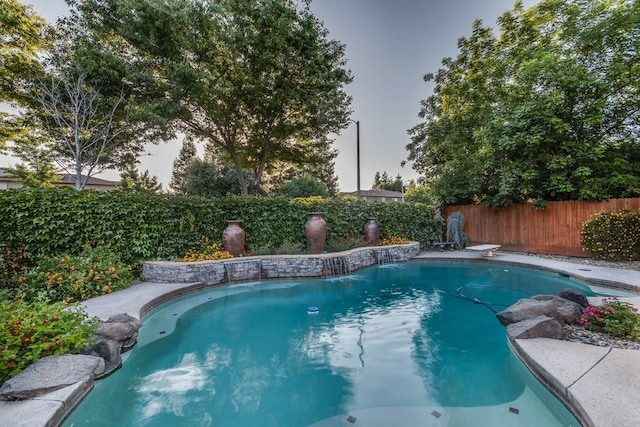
[{"x": 613, "y": 236}]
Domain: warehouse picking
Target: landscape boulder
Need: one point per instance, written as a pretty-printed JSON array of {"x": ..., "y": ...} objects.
[
  {"x": 51, "y": 373},
  {"x": 561, "y": 309},
  {"x": 575, "y": 296},
  {"x": 109, "y": 350},
  {"x": 537, "y": 327},
  {"x": 122, "y": 328}
]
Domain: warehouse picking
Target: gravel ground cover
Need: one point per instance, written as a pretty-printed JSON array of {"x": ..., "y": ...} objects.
[
  {"x": 577, "y": 333},
  {"x": 628, "y": 265}
]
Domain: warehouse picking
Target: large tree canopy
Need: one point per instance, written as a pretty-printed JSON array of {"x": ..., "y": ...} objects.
[
  {"x": 85, "y": 127},
  {"x": 548, "y": 110},
  {"x": 257, "y": 78},
  {"x": 21, "y": 37},
  {"x": 79, "y": 110},
  {"x": 21, "y": 41}
]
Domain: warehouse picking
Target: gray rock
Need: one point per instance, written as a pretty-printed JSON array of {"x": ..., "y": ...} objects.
[
  {"x": 120, "y": 332},
  {"x": 51, "y": 373},
  {"x": 566, "y": 311},
  {"x": 122, "y": 328},
  {"x": 575, "y": 296},
  {"x": 563, "y": 310},
  {"x": 109, "y": 350},
  {"x": 125, "y": 318},
  {"x": 537, "y": 327}
]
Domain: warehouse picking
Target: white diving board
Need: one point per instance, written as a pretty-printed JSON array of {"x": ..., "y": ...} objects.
[{"x": 488, "y": 249}]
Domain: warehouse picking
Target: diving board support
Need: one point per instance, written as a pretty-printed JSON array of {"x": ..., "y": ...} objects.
[{"x": 488, "y": 249}]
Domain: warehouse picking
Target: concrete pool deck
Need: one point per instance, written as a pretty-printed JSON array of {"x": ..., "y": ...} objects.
[{"x": 599, "y": 383}]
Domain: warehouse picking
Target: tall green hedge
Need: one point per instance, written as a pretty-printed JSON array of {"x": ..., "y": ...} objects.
[{"x": 145, "y": 226}]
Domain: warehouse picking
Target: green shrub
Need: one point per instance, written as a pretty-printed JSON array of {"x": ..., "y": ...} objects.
[
  {"x": 289, "y": 248},
  {"x": 206, "y": 251},
  {"x": 304, "y": 186},
  {"x": 614, "y": 317},
  {"x": 258, "y": 250},
  {"x": 13, "y": 263},
  {"x": 94, "y": 272},
  {"x": 613, "y": 236},
  {"x": 33, "y": 330},
  {"x": 9, "y": 285},
  {"x": 344, "y": 244},
  {"x": 393, "y": 240}
]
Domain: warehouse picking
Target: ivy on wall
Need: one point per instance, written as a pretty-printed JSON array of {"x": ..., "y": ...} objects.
[{"x": 144, "y": 226}]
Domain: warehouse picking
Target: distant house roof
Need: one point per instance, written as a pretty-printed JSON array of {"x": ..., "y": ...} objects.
[
  {"x": 71, "y": 179},
  {"x": 64, "y": 180},
  {"x": 377, "y": 195}
]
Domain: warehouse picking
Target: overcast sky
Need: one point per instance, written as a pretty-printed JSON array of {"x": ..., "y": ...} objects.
[{"x": 391, "y": 45}]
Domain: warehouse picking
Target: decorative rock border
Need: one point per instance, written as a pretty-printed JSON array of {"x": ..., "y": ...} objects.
[{"x": 277, "y": 266}]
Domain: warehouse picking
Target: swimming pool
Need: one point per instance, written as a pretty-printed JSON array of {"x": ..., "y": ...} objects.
[{"x": 398, "y": 345}]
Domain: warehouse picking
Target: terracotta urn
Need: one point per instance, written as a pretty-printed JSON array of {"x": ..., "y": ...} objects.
[
  {"x": 316, "y": 230},
  {"x": 233, "y": 238},
  {"x": 371, "y": 232}
]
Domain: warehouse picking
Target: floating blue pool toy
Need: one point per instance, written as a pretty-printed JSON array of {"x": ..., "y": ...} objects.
[{"x": 312, "y": 310}]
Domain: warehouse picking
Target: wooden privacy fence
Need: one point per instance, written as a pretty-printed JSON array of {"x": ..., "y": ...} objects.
[{"x": 555, "y": 230}]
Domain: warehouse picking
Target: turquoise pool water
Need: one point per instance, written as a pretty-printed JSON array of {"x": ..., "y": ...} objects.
[{"x": 397, "y": 345}]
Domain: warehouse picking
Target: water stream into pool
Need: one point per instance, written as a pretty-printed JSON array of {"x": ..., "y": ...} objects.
[{"x": 395, "y": 345}]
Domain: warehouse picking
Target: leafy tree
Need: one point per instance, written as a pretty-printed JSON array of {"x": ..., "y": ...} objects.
[
  {"x": 443, "y": 147},
  {"x": 85, "y": 126},
  {"x": 86, "y": 111},
  {"x": 210, "y": 179},
  {"x": 85, "y": 133},
  {"x": 254, "y": 78},
  {"x": 38, "y": 168},
  {"x": 546, "y": 111},
  {"x": 384, "y": 182},
  {"x": 132, "y": 180},
  {"x": 178, "y": 177},
  {"x": 377, "y": 180},
  {"x": 319, "y": 163},
  {"x": 21, "y": 36},
  {"x": 306, "y": 186},
  {"x": 43, "y": 173},
  {"x": 420, "y": 194}
]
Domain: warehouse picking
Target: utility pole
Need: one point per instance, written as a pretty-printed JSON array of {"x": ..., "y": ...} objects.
[{"x": 358, "y": 157}]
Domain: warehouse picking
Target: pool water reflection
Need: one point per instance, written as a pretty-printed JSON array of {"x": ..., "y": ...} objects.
[{"x": 406, "y": 344}]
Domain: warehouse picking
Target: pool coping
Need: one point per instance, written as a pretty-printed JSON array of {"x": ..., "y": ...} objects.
[{"x": 593, "y": 382}]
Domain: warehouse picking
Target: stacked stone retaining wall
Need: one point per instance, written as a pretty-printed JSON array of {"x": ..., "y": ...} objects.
[{"x": 277, "y": 266}]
